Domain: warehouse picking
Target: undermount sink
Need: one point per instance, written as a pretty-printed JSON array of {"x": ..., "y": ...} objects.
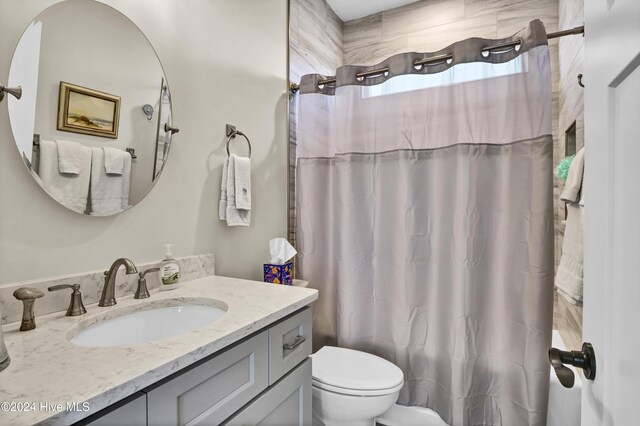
[{"x": 146, "y": 322}]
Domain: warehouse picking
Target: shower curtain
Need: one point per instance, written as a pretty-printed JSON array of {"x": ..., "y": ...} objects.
[{"x": 424, "y": 218}]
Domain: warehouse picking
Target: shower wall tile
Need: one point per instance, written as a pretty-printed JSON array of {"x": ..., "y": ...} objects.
[
  {"x": 315, "y": 46},
  {"x": 571, "y": 94},
  {"x": 571, "y": 15},
  {"x": 315, "y": 39},
  {"x": 361, "y": 32},
  {"x": 518, "y": 14},
  {"x": 376, "y": 51},
  {"x": 482, "y": 7},
  {"x": 294, "y": 23},
  {"x": 418, "y": 16},
  {"x": 334, "y": 30},
  {"x": 431, "y": 25},
  {"x": 436, "y": 38}
]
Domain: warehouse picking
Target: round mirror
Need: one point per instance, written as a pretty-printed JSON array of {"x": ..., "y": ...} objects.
[{"x": 93, "y": 124}]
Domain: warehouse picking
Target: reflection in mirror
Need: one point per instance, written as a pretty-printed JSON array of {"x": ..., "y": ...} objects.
[{"x": 91, "y": 123}]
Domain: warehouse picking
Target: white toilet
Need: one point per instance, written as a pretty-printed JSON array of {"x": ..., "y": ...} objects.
[{"x": 352, "y": 387}]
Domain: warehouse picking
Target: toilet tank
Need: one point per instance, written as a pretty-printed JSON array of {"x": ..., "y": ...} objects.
[{"x": 564, "y": 403}]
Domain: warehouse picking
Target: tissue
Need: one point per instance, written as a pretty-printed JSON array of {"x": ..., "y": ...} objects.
[
  {"x": 280, "y": 270},
  {"x": 281, "y": 251}
]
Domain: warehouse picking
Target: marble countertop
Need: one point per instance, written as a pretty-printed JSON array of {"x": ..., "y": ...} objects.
[{"x": 46, "y": 369}]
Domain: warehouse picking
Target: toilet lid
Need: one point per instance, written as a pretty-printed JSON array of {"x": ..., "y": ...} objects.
[{"x": 355, "y": 370}]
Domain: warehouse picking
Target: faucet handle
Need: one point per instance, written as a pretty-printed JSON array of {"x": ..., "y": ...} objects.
[
  {"x": 142, "y": 274},
  {"x": 28, "y": 296},
  {"x": 143, "y": 292},
  {"x": 76, "y": 307}
]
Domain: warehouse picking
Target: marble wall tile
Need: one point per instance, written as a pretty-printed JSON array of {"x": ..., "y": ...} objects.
[
  {"x": 436, "y": 38},
  {"x": 570, "y": 14},
  {"x": 91, "y": 283},
  {"x": 516, "y": 16},
  {"x": 315, "y": 47},
  {"x": 376, "y": 51},
  {"x": 312, "y": 10},
  {"x": 418, "y": 16},
  {"x": 361, "y": 32},
  {"x": 316, "y": 39},
  {"x": 294, "y": 23},
  {"x": 482, "y": 7},
  {"x": 572, "y": 95},
  {"x": 334, "y": 30}
]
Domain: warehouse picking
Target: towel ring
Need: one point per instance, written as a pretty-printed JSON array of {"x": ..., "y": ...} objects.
[{"x": 233, "y": 135}]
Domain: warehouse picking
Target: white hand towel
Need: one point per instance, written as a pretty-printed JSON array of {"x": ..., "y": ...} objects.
[
  {"x": 572, "y": 186},
  {"x": 70, "y": 157},
  {"x": 242, "y": 170},
  {"x": 569, "y": 276},
  {"x": 114, "y": 160},
  {"x": 222, "y": 207},
  {"x": 235, "y": 216},
  {"x": 126, "y": 181},
  {"x": 71, "y": 190},
  {"x": 109, "y": 192}
]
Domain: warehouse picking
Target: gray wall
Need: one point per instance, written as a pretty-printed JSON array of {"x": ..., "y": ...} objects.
[{"x": 225, "y": 61}]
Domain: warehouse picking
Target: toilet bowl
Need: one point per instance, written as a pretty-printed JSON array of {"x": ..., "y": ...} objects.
[{"x": 352, "y": 387}]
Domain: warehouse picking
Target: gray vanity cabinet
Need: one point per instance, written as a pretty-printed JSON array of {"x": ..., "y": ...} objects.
[
  {"x": 212, "y": 391},
  {"x": 263, "y": 380},
  {"x": 288, "y": 402}
]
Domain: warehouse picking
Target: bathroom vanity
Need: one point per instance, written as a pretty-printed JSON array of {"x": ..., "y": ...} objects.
[{"x": 248, "y": 366}]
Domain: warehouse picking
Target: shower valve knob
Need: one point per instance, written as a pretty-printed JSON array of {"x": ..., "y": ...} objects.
[{"x": 585, "y": 359}]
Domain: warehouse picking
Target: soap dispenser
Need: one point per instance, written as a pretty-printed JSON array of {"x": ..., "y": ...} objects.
[{"x": 169, "y": 270}]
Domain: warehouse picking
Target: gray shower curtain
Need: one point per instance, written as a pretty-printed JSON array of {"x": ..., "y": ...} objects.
[{"x": 424, "y": 218}]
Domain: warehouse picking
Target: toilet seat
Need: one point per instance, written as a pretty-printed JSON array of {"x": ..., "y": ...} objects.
[
  {"x": 350, "y": 372},
  {"x": 357, "y": 392}
]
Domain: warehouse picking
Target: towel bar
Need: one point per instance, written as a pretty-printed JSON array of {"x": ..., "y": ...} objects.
[{"x": 232, "y": 132}]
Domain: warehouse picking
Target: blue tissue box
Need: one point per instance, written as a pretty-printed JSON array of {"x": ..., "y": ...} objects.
[{"x": 278, "y": 274}]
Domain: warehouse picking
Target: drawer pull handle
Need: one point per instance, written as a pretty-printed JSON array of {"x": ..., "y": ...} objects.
[{"x": 291, "y": 346}]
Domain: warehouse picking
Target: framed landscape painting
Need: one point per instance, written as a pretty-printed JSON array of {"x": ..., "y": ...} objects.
[{"x": 88, "y": 111}]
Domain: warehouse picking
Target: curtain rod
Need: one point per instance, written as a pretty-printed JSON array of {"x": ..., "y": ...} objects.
[{"x": 442, "y": 58}]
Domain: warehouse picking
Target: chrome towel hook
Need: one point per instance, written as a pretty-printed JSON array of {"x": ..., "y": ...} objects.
[{"x": 232, "y": 132}]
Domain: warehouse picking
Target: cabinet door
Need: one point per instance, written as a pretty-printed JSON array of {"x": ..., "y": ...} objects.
[
  {"x": 288, "y": 402},
  {"x": 130, "y": 412},
  {"x": 213, "y": 390}
]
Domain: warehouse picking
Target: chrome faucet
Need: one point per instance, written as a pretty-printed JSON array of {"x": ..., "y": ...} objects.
[{"x": 108, "y": 291}]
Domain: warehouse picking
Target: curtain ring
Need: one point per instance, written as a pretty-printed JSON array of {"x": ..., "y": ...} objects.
[{"x": 233, "y": 135}]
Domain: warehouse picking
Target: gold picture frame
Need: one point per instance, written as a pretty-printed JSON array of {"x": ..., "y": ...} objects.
[{"x": 88, "y": 111}]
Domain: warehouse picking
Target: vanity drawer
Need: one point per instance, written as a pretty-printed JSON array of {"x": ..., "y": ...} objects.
[
  {"x": 288, "y": 402},
  {"x": 215, "y": 389},
  {"x": 289, "y": 344},
  {"x": 131, "y": 411}
]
